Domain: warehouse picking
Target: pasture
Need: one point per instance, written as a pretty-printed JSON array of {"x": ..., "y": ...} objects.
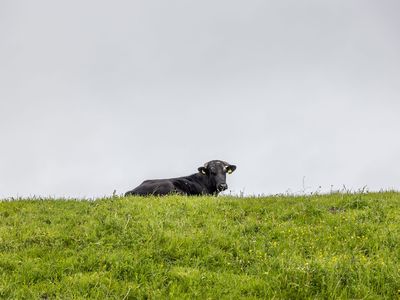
[{"x": 283, "y": 247}]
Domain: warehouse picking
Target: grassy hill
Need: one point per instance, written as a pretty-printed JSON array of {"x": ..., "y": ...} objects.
[{"x": 329, "y": 246}]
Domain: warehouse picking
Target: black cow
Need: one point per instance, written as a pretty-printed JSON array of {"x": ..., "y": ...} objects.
[{"x": 210, "y": 180}]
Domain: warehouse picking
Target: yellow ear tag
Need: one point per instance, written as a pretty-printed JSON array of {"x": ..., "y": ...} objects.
[
  {"x": 229, "y": 171},
  {"x": 203, "y": 172}
]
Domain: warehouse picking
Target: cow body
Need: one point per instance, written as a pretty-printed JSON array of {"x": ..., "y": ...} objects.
[{"x": 210, "y": 180}]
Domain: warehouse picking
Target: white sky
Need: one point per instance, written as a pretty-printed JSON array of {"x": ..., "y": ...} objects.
[{"x": 100, "y": 95}]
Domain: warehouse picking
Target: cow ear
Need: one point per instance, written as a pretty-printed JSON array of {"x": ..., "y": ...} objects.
[
  {"x": 203, "y": 170},
  {"x": 230, "y": 169}
]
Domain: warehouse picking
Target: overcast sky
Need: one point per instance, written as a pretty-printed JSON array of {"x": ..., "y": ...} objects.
[{"x": 100, "y": 95}]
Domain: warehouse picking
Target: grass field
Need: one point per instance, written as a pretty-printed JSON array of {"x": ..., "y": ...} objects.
[{"x": 282, "y": 247}]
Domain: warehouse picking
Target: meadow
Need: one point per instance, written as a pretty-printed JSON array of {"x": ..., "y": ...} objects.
[{"x": 335, "y": 246}]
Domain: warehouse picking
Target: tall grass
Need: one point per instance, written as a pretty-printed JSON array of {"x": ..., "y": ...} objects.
[{"x": 331, "y": 246}]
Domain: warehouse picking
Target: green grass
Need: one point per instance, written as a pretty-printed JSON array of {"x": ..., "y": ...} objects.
[{"x": 321, "y": 246}]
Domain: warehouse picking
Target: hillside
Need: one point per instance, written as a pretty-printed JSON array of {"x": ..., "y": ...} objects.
[{"x": 321, "y": 246}]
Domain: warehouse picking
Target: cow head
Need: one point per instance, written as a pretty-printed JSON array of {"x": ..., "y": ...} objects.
[{"x": 216, "y": 171}]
